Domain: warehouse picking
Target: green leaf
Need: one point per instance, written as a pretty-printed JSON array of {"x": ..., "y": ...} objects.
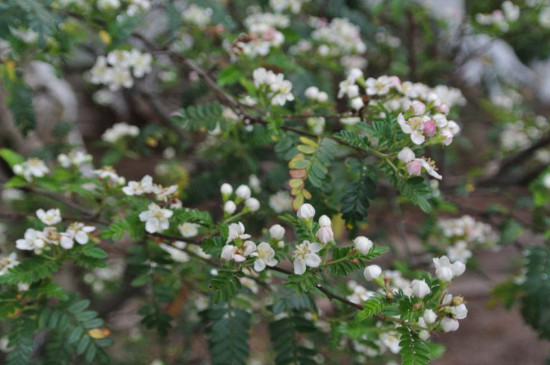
[
  {"x": 372, "y": 307},
  {"x": 413, "y": 350},
  {"x": 225, "y": 285},
  {"x": 195, "y": 118},
  {"x": 535, "y": 304},
  {"x": 11, "y": 157},
  {"x": 228, "y": 340}
]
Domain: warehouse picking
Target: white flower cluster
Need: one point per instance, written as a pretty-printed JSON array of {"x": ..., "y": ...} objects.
[
  {"x": 118, "y": 131},
  {"x": 464, "y": 234},
  {"x": 109, "y": 176},
  {"x": 279, "y": 6},
  {"x": 340, "y": 37},
  {"x": 201, "y": 17},
  {"x": 239, "y": 247},
  {"x": 500, "y": 18},
  {"x": 146, "y": 186},
  {"x": 133, "y": 7},
  {"x": 522, "y": 134},
  {"x": 73, "y": 158},
  {"x": 273, "y": 85},
  {"x": 314, "y": 94},
  {"x": 116, "y": 69},
  {"x": 40, "y": 241},
  {"x": 7, "y": 262},
  {"x": 242, "y": 194},
  {"x": 281, "y": 201},
  {"x": 33, "y": 167},
  {"x": 262, "y": 34},
  {"x": 101, "y": 277}
]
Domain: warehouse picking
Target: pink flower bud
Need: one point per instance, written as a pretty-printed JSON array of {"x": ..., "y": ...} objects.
[
  {"x": 325, "y": 234},
  {"x": 418, "y": 107},
  {"x": 429, "y": 128},
  {"x": 414, "y": 168},
  {"x": 444, "y": 108},
  {"x": 394, "y": 81}
]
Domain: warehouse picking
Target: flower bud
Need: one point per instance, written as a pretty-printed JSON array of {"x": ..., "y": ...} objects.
[
  {"x": 420, "y": 289},
  {"x": 414, "y": 168},
  {"x": 444, "y": 108},
  {"x": 460, "y": 311},
  {"x": 229, "y": 207},
  {"x": 243, "y": 192},
  {"x": 227, "y": 252},
  {"x": 324, "y": 221},
  {"x": 306, "y": 212},
  {"x": 406, "y": 155},
  {"x": 253, "y": 204},
  {"x": 357, "y": 103},
  {"x": 429, "y": 128},
  {"x": 447, "y": 299},
  {"x": 325, "y": 234},
  {"x": 449, "y": 324},
  {"x": 457, "y": 300},
  {"x": 372, "y": 272},
  {"x": 362, "y": 244},
  {"x": 429, "y": 316},
  {"x": 312, "y": 92},
  {"x": 226, "y": 189},
  {"x": 444, "y": 274},
  {"x": 424, "y": 335},
  {"x": 354, "y": 74},
  {"x": 418, "y": 107},
  {"x": 277, "y": 232},
  {"x": 322, "y": 97}
]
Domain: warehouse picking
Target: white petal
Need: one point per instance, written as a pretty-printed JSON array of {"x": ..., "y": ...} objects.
[
  {"x": 259, "y": 265},
  {"x": 299, "y": 267},
  {"x": 313, "y": 260}
]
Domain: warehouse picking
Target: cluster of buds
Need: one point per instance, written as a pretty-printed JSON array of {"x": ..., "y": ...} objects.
[{"x": 231, "y": 199}]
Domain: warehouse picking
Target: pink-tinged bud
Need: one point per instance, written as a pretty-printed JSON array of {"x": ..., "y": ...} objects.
[
  {"x": 325, "y": 234},
  {"x": 414, "y": 168},
  {"x": 394, "y": 80},
  {"x": 444, "y": 108},
  {"x": 269, "y": 34},
  {"x": 418, "y": 107},
  {"x": 429, "y": 128}
]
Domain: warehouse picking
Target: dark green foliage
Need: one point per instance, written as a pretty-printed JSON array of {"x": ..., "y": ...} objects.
[
  {"x": 535, "y": 304},
  {"x": 414, "y": 351},
  {"x": 320, "y": 161},
  {"x": 69, "y": 325},
  {"x": 19, "y": 100},
  {"x": 30, "y": 270},
  {"x": 303, "y": 283},
  {"x": 155, "y": 317},
  {"x": 300, "y": 302},
  {"x": 353, "y": 139},
  {"x": 205, "y": 116},
  {"x": 416, "y": 190},
  {"x": 372, "y": 307},
  {"x": 228, "y": 341},
  {"x": 283, "y": 337},
  {"x": 20, "y": 337},
  {"x": 225, "y": 285},
  {"x": 357, "y": 197},
  {"x": 193, "y": 216}
]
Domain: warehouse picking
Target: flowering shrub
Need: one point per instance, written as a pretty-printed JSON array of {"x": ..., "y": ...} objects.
[{"x": 266, "y": 137}]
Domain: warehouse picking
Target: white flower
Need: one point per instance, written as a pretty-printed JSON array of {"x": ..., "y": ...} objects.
[
  {"x": 277, "y": 232},
  {"x": 76, "y": 232},
  {"x": 118, "y": 131},
  {"x": 140, "y": 187},
  {"x": 379, "y": 86},
  {"x": 155, "y": 218},
  {"x": 243, "y": 192},
  {"x": 420, "y": 289},
  {"x": 348, "y": 88},
  {"x": 406, "y": 155},
  {"x": 236, "y": 231},
  {"x": 305, "y": 254},
  {"x": 75, "y": 158},
  {"x": 141, "y": 63},
  {"x": 325, "y": 234},
  {"x": 350, "y": 120},
  {"x": 188, "y": 229},
  {"x": 198, "y": 16},
  {"x": 357, "y": 103},
  {"x": 449, "y": 324},
  {"x": 7, "y": 262},
  {"x": 253, "y": 204},
  {"x": 108, "y": 4},
  {"x": 362, "y": 244},
  {"x": 33, "y": 241},
  {"x": 229, "y": 207},
  {"x": 236, "y": 253},
  {"x": 33, "y": 167},
  {"x": 413, "y": 126},
  {"x": 226, "y": 190},
  {"x": 280, "y": 201},
  {"x": 176, "y": 254},
  {"x": 460, "y": 311},
  {"x": 312, "y": 92},
  {"x": 49, "y": 217},
  {"x": 429, "y": 316},
  {"x": 162, "y": 193},
  {"x": 459, "y": 252},
  {"x": 372, "y": 272},
  {"x": 445, "y": 271},
  {"x": 306, "y": 212},
  {"x": 110, "y": 176},
  {"x": 391, "y": 341},
  {"x": 278, "y": 89},
  {"x": 265, "y": 255}
]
